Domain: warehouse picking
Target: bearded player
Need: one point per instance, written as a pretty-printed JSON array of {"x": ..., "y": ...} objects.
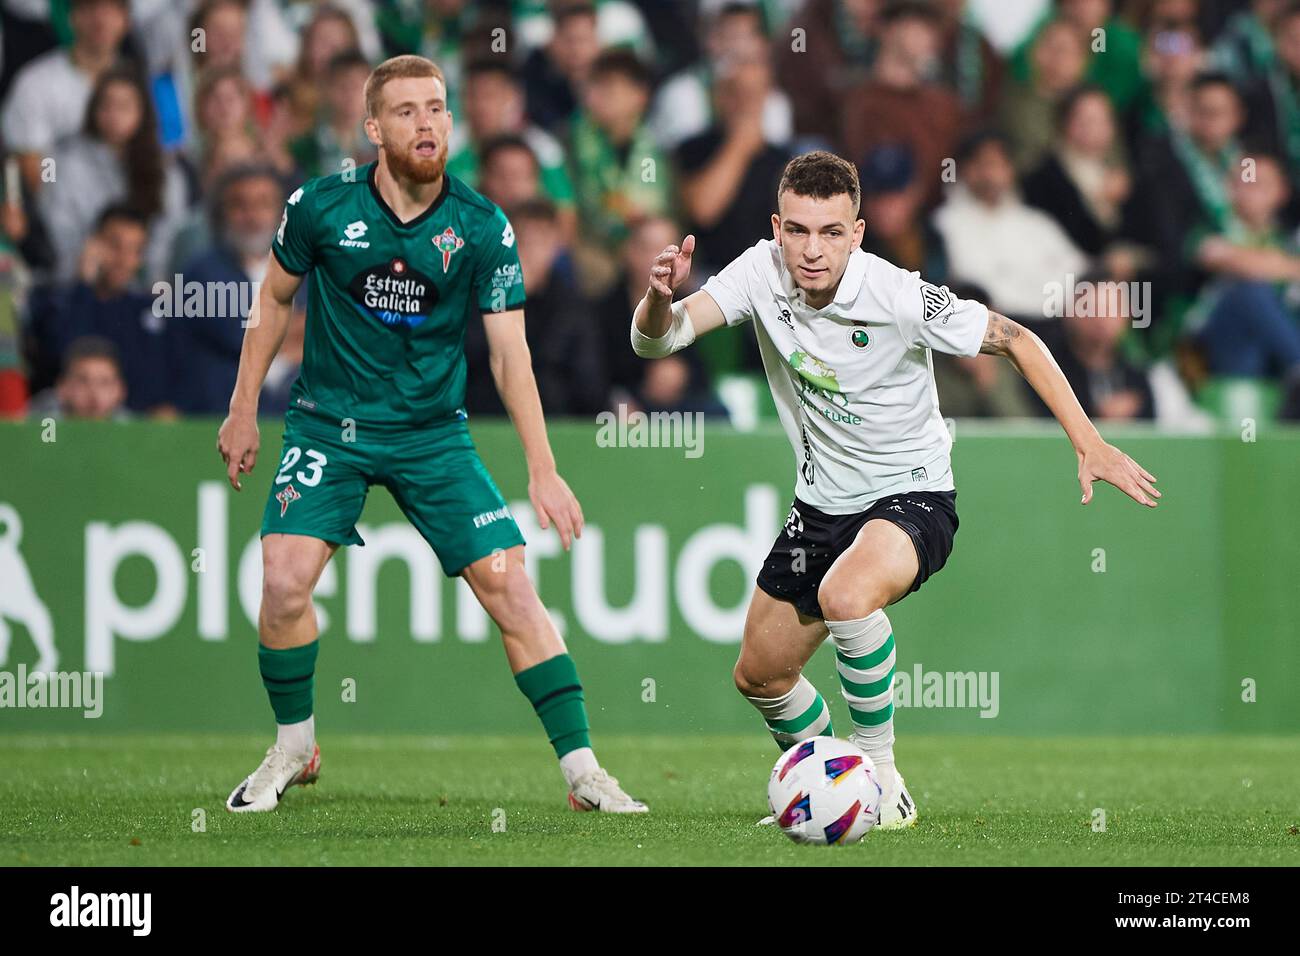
[
  {"x": 400, "y": 256},
  {"x": 845, "y": 339}
]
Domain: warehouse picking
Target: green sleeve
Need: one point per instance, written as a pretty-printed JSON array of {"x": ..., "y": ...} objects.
[
  {"x": 498, "y": 279},
  {"x": 294, "y": 245}
]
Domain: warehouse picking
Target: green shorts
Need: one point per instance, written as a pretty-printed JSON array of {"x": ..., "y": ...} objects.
[{"x": 434, "y": 474}]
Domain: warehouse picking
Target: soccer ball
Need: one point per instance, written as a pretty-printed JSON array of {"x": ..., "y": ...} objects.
[{"x": 824, "y": 791}]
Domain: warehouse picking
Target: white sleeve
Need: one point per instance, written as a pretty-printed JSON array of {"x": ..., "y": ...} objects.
[
  {"x": 26, "y": 122},
  {"x": 730, "y": 288},
  {"x": 931, "y": 317}
]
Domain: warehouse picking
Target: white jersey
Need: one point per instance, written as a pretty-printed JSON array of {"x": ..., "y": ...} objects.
[{"x": 853, "y": 382}]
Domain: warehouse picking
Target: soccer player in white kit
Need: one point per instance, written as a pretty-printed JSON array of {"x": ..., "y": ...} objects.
[{"x": 845, "y": 339}]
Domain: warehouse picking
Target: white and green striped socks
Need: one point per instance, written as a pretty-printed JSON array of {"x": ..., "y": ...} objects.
[
  {"x": 864, "y": 657},
  {"x": 800, "y": 714}
]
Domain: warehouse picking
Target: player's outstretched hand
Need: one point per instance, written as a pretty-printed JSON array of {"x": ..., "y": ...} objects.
[
  {"x": 1107, "y": 463},
  {"x": 556, "y": 504},
  {"x": 238, "y": 441},
  {"x": 671, "y": 267}
]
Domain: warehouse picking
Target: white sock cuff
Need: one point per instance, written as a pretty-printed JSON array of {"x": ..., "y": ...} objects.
[
  {"x": 860, "y": 637},
  {"x": 795, "y": 702}
]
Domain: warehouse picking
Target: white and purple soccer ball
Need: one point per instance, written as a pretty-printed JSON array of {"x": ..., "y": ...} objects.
[{"x": 824, "y": 791}]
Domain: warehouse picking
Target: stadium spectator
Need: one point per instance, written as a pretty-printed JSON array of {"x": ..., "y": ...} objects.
[
  {"x": 1086, "y": 345},
  {"x": 969, "y": 65},
  {"x": 222, "y": 28},
  {"x": 619, "y": 172},
  {"x": 337, "y": 141},
  {"x": 106, "y": 301},
  {"x": 678, "y": 382},
  {"x": 509, "y": 172},
  {"x": 223, "y": 111},
  {"x": 90, "y": 386},
  {"x": 247, "y": 205},
  {"x": 1082, "y": 182},
  {"x": 730, "y": 171},
  {"x": 1181, "y": 185},
  {"x": 116, "y": 157},
  {"x": 48, "y": 98},
  {"x": 328, "y": 33},
  {"x": 818, "y": 66},
  {"x": 492, "y": 106},
  {"x": 194, "y": 231},
  {"x": 1251, "y": 326},
  {"x": 1112, "y": 48},
  {"x": 1171, "y": 59},
  {"x": 891, "y": 207},
  {"x": 901, "y": 103},
  {"x": 568, "y": 361},
  {"x": 993, "y": 239},
  {"x": 555, "y": 74},
  {"x": 979, "y": 386},
  {"x": 1244, "y": 48},
  {"x": 1058, "y": 60},
  {"x": 1278, "y": 101},
  {"x": 686, "y": 105}
]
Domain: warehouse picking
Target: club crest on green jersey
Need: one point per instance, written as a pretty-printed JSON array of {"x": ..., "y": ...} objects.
[{"x": 448, "y": 243}]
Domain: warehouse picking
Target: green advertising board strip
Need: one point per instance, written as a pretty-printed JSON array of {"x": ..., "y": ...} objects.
[{"x": 125, "y": 545}]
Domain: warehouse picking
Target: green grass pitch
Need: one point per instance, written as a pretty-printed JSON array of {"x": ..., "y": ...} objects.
[{"x": 122, "y": 800}]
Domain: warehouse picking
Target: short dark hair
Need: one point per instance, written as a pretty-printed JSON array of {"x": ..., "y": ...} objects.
[
  {"x": 976, "y": 141},
  {"x": 821, "y": 175},
  {"x": 501, "y": 143},
  {"x": 742, "y": 8},
  {"x": 901, "y": 10},
  {"x": 352, "y": 59},
  {"x": 121, "y": 212},
  {"x": 1065, "y": 106},
  {"x": 490, "y": 66},
  {"x": 253, "y": 169},
  {"x": 91, "y": 347},
  {"x": 566, "y": 10},
  {"x": 1210, "y": 78},
  {"x": 535, "y": 209},
  {"x": 620, "y": 61}
]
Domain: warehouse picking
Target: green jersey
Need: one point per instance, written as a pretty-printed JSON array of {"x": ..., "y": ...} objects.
[{"x": 388, "y": 300}]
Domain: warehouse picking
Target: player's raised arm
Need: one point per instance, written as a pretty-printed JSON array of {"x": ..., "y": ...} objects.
[
  {"x": 238, "y": 440},
  {"x": 660, "y": 326},
  {"x": 1098, "y": 461}
]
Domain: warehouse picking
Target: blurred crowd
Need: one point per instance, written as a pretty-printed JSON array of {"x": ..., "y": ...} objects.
[{"x": 1119, "y": 175}]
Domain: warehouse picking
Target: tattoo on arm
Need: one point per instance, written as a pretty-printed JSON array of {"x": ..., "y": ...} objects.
[{"x": 1000, "y": 334}]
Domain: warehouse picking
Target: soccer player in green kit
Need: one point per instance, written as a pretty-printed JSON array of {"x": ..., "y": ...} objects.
[{"x": 400, "y": 256}]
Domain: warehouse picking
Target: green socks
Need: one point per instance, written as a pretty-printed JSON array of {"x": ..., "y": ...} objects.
[
  {"x": 290, "y": 677},
  {"x": 555, "y": 692}
]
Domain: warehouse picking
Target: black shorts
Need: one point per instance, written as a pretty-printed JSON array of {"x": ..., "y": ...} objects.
[{"x": 928, "y": 517}]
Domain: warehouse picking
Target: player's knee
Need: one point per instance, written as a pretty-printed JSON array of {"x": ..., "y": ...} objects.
[
  {"x": 750, "y": 683},
  {"x": 841, "y": 602},
  {"x": 286, "y": 591},
  {"x": 509, "y": 597}
]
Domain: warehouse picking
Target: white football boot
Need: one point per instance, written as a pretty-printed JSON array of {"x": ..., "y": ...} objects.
[
  {"x": 280, "y": 770},
  {"x": 597, "y": 790},
  {"x": 897, "y": 809}
]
